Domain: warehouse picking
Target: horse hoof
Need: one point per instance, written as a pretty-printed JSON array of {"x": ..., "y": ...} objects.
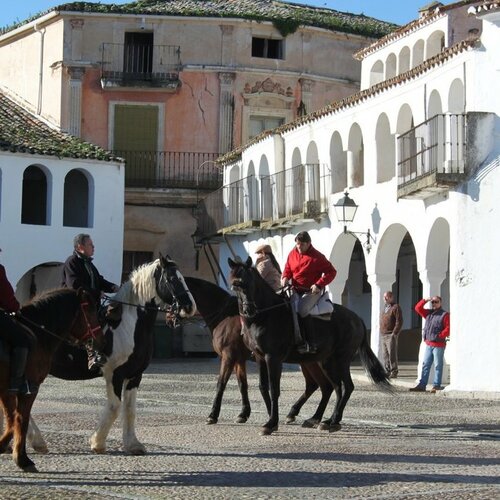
[
  {"x": 41, "y": 448},
  {"x": 241, "y": 420},
  {"x": 138, "y": 451},
  {"x": 99, "y": 451},
  {"x": 30, "y": 468},
  {"x": 267, "y": 431},
  {"x": 335, "y": 427},
  {"x": 211, "y": 421},
  {"x": 289, "y": 420},
  {"x": 310, "y": 423},
  {"x": 324, "y": 426}
]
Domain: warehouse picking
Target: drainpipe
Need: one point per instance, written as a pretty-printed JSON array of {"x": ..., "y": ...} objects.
[{"x": 40, "y": 73}]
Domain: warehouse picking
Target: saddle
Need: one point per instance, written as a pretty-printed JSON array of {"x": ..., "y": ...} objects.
[{"x": 323, "y": 309}]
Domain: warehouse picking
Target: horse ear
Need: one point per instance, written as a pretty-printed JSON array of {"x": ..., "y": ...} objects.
[
  {"x": 231, "y": 262},
  {"x": 163, "y": 260},
  {"x": 249, "y": 262}
]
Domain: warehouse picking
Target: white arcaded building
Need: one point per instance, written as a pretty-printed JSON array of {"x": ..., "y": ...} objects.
[
  {"x": 52, "y": 187},
  {"x": 417, "y": 149}
]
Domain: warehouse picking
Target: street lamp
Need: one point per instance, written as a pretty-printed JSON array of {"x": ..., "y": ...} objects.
[{"x": 345, "y": 210}]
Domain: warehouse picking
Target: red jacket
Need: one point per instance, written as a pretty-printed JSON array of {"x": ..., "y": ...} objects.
[
  {"x": 8, "y": 301},
  {"x": 308, "y": 269},
  {"x": 445, "y": 332}
]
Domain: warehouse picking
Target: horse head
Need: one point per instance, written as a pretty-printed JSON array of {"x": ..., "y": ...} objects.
[
  {"x": 172, "y": 289},
  {"x": 242, "y": 279},
  {"x": 86, "y": 323}
]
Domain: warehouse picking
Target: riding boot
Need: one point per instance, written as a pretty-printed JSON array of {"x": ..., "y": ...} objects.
[
  {"x": 308, "y": 347},
  {"x": 17, "y": 381},
  {"x": 95, "y": 359},
  {"x": 301, "y": 344}
]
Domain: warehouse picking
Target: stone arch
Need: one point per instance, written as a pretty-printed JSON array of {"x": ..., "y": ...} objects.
[
  {"x": 377, "y": 73},
  {"x": 312, "y": 173},
  {"x": 386, "y": 152},
  {"x": 338, "y": 162},
  {"x": 251, "y": 195},
  {"x": 355, "y": 157},
  {"x": 266, "y": 192}
]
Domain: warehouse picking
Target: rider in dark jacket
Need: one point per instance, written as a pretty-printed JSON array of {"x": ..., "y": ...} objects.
[
  {"x": 18, "y": 338},
  {"x": 79, "y": 271}
]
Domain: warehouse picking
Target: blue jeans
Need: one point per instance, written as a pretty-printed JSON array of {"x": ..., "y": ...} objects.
[{"x": 436, "y": 355}]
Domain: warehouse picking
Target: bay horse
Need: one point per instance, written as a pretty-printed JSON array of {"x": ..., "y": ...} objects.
[
  {"x": 268, "y": 333},
  {"x": 54, "y": 317},
  {"x": 155, "y": 286},
  {"x": 220, "y": 311}
]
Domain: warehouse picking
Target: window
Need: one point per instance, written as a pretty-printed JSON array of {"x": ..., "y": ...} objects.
[
  {"x": 260, "y": 123},
  {"x": 132, "y": 260},
  {"x": 267, "y": 47},
  {"x": 76, "y": 200},
  {"x": 34, "y": 203},
  {"x": 138, "y": 55}
]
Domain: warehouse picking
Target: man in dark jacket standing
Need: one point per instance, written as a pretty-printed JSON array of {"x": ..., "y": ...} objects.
[
  {"x": 391, "y": 322},
  {"x": 436, "y": 332},
  {"x": 79, "y": 271}
]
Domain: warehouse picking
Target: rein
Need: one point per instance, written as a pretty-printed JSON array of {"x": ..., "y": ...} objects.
[
  {"x": 110, "y": 300},
  {"x": 89, "y": 334}
]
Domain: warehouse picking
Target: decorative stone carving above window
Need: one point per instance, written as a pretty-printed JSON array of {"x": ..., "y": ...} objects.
[{"x": 268, "y": 86}]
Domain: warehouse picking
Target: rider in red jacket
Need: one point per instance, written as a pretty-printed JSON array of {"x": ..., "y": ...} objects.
[
  {"x": 309, "y": 271},
  {"x": 16, "y": 337}
]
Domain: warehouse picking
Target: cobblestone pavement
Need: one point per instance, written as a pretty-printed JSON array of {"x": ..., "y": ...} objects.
[{"x": 406, "y": 445}]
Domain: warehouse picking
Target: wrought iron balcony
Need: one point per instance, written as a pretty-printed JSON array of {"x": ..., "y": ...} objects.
[
  {"x": 168, "y": 169},
  {"x": 432, "y": 156},
  {"x": 275, "y": 201},
  {"x": 140, "y": 65}
]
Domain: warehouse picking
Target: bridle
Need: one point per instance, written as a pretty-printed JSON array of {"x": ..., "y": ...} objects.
[{"x": 92, "y": 332}]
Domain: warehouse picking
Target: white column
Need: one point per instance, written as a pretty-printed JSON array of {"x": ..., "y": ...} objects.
[{"x": 380, "y": 283}]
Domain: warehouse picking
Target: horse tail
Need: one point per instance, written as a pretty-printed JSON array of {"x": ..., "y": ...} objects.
[{"x": 372, "y": 365}]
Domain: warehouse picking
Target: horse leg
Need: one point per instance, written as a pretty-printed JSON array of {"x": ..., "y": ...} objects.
[
  {"x": 264, "y": 385},
  {"x": 241, "y": 375},
  {"x": 342, "y": 382},
  {"x": 326, "y": 391},
  {"x": 35, "y": 438},
  {"x": 311, "y": 386},
  {"x": 274, "y": 368},
  {"x": 225, "y": 370},
  {"x": 8, "y": 402},
  {"x": 108, "y": 416},
  {"x": 21, "y": 422},
  {"x": 130, "y": 442}
]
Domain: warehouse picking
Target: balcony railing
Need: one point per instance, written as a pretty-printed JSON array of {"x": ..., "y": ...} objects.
[
  {"x": 168, "y": 169},
  {"x": 432, "y": 155},
  {"x": 126, "y": 65},
  {"x": 277, "y": 200}
]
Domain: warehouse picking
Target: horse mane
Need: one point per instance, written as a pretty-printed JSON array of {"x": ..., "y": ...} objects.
[
  {"x": 140, "y": 285},
  {"x": 216, "y": 294}
]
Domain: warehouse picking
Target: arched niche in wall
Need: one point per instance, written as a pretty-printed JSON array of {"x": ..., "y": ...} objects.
[
  {"x": 294, "y": 185},
  {"x": 435, "y": 44},
  {"x": 76, "y": 211},
  {"x": 312, "y": 173},
  {"x": 417, "y": 56},
  {"x": 377, "y": 73},
  {"x": 386, "y": 151},
  {"x": 267, "y": 189},
  {"x": 404, "y": 60},
  {"x": 407, "y": 144},
  {"x": 456, "y": 97},
  {"x": 36, "y": 196},
  {"x": 355, "y": 157},
  {"x": 391, "y": 66},
  {"x": 338, "y": 164},
  {"x": 251, "y": 197}
]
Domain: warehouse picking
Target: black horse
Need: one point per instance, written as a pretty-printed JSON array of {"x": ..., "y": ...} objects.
[
  {"x": 156, "y": 286},
  {"x": 54, "y": 317},
  {"x": 220, "y": 311},
  {"x": 268, "y": 333}
]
